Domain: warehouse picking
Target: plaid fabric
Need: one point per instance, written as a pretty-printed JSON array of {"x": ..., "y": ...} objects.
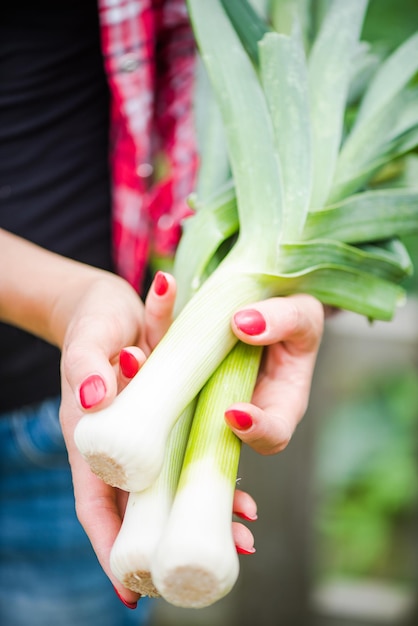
[{"x": 149, "y": 55}]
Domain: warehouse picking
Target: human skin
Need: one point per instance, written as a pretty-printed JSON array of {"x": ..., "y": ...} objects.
[{"x": 103, "y": 329}]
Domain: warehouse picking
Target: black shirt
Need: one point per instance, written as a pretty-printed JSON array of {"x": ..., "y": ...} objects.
[{"x": 54, "y": 172}]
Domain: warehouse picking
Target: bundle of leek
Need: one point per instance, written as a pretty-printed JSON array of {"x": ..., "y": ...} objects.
[{"x": 298, "y": 217}]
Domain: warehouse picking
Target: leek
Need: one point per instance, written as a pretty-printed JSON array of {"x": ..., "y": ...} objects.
[
  {"x": 290, "y": 222},
  {"x": 196, "y": 562},
  {"x": 153, "y": 401},
  {"x": 146, "y": 515}
]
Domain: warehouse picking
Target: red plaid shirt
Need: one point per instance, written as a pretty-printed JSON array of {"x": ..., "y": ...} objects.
[{"x": 149, "y": 54}]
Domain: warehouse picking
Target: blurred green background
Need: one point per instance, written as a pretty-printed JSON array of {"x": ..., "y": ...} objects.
[{"x": 366, "y": 464}]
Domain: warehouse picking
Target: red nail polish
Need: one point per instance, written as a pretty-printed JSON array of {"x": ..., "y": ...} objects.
[
  {"x": 92, "y": 391},
  {"x": 160, "y": 284},
  {"x": 244, "y": 551},
  {"x": 250, "y": 321},
  {"x": 128, "y": 364},
  {"x": 239, "y": 419},
  {"x": 248, "y": 518},
  {"x": 130, "y": 605}
]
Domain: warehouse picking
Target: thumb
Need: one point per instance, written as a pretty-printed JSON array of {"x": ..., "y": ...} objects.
[{"x": 89, "y": 363}]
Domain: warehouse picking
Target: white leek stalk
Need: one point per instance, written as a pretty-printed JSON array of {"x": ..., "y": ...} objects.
[
  {"x": 273, "y": 255},
  {"x": 147, "y": 511},
  {"x": 196, "y": 562},
  {"x": 286, "y": 167},
  {"x": 146, "y": 515},
  {"x": 130, "y": 456},
  {"x": 146, "y": 410}
]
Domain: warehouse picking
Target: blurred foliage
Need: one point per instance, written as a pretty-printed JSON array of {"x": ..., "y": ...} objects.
[
  {"x": 367, "y": 473},
  {"x": 389, "y": 22},
  {"x": 411, "y": 284},
  {"x": 367, "y": 455},
  {"x": 403, "y": 173}
]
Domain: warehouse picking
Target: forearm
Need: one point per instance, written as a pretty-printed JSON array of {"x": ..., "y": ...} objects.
[{"x": 38, "y": 289}]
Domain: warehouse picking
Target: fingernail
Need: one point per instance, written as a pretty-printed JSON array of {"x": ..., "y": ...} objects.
[
  {"x": 130, "y": 605},
  {"x": 239, "y": 419},
  {"x": 160, "y": 284},
  {"x": 128, "y": 364},
  {"x": 248, "y": 518},
  {"x": 244, "y": 550},
  {"x": 250, "y": 321},
  {"x": 92, "y": 391}
]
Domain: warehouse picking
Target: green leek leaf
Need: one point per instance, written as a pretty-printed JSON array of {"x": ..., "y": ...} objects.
[
  {"x": 393, "y": 75},
  {"x": 254, "y": 163},
  {"x": 330, "y": 64},
  {"x": 367, "y": 216},
  {"x": 298, "y": 257},
  {"x": 248, "y": 24},
  {"x": 285, "y": 82},
  {"x": 345, "y": 288}
]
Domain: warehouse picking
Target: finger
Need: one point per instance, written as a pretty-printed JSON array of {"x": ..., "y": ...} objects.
[
  {"x": 279, "y": 401},
  {"x": 98, "y": 512},
  {"x": 131, "y": 359},
  {"x": 159, "y": 305},
  {"x": 99, "y": 507},
  {"x": 244, "y": 506},
  {"x": 90, "y": 352},
  {"x": 243, "y": 538},
  {"x": 267, "y": 433},
  {"x": 296, "y": 319},
  {"x": 292, "y": 329}
]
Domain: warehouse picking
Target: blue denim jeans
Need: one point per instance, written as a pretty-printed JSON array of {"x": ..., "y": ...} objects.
[{"x": 49, "y": 574}]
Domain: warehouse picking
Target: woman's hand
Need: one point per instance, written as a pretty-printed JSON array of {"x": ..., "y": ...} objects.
[
  {"x": 291, "y": 328},
  {"x": 105, "y": 333},
  {"x": 109, "y": 337},
  {"x": 102, "y": 352}
]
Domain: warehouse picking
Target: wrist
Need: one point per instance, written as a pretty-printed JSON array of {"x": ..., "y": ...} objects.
[
  {"x": 78, "y": 281},
  {"x": 40, "y": 290},
  {"x": 92, "y": 296}
]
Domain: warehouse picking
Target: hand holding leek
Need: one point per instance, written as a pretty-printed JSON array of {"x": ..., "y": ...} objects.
[
  {"x": 293, "y": 331},
  {"x": 304, "y": 220},
  {"x": 108, "y": 339},
  {"x": 101, "y": 508},
  {"x": 98, "y": 344}
]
